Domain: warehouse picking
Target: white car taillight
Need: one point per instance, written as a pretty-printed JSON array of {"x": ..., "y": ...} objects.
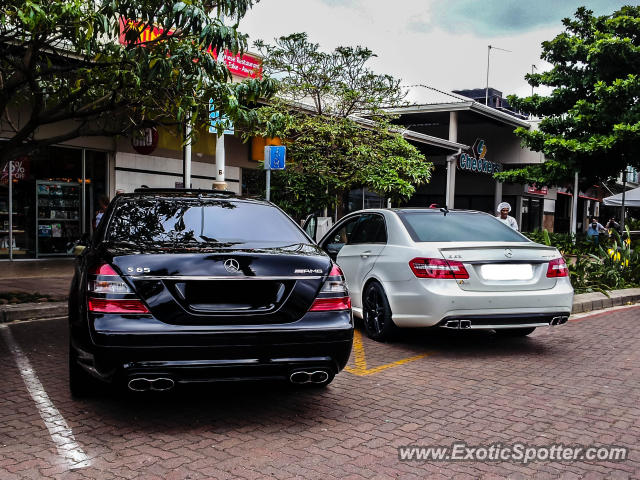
[
  {"x": 438, "y": 268},
  {"x": 103, "y": 283},
  {"x": 334, "y": 294},
  {"x": 557, "y": 268}
]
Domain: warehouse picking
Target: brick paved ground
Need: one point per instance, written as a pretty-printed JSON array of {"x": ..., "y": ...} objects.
[{"x": 578, "y": 384}]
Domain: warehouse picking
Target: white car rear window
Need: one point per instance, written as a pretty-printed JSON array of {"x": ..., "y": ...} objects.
[{"x": 457, "y": 227}]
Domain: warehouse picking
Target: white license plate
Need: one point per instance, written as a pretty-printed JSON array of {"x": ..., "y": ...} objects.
[{"x": 522, "y": 271}]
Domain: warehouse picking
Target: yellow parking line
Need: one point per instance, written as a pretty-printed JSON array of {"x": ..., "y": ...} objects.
[{"x": 360, "y": 361}]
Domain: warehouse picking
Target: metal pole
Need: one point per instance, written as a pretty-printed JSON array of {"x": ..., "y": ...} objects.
[
  {"x": 486, "y": 94},
  {"x": 624, "y": 188},
  {"x": 268, "y": 195},
  {"x": 186, "y": 173},
  {"x": 574, "y": 206},
  {"x": 450, "y": 192},
  {"x": 83, "y": 189},
  {"x": 220, "y": 160},
  {"x": 10, "y": 166}
]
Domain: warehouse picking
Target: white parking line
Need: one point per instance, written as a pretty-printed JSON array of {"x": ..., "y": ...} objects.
[{"x": 60, "y": 432}]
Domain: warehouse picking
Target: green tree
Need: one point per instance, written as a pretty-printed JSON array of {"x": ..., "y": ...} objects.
[
  {"x": 62, "y": 64},
  {"x": 591, "y": 120},
  {"x": 329, "y": 114}
]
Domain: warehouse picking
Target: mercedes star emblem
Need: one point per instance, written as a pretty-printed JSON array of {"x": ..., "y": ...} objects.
[
  {"x": 232, "y": 265},
  {"x": 508, "y": 253}
]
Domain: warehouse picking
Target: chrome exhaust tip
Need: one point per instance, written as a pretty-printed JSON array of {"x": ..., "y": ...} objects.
[
  {"x": 465, "y": 324},
  {"x": 319, "y": 376},
  {"x": 452, "y": 324},
  {"x": 139, "y": 384},
  {"x": 299, "y": 377},
  {"x": 555, "y": 321},
  {"x": 563, "y": 320},
  {"x": 302, "y": 377},
  {"x": 162, "y": 384}
]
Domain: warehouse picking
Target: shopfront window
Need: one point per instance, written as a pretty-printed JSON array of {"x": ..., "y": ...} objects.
[
  {"x": 49, "y": 214},
  {"x": 531, "y": 214}
]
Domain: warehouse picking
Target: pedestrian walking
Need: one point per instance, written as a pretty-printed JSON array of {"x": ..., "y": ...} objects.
[
  {"x": 503, "y": 209},
  {"x": 593, "y": 231}
]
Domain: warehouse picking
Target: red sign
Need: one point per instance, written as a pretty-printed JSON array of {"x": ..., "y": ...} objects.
[
  {"x": 19, "y": 170},
  {"x": 241, "y": 65},
  {"x": 145, "y": 141},
  {"x": 244, "y": 65},
  {"x": 534, "y": 189}
]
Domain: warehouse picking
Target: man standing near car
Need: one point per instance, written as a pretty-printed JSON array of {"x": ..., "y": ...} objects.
[{"x": 503, "y": 209}]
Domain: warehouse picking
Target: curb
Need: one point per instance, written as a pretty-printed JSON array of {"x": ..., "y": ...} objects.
[
  {"x": 587, "y": 302},
  {"x": 29, "y": 311}
]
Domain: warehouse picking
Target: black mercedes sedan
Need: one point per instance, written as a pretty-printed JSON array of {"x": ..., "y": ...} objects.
[{"x": 181, "y": 286}]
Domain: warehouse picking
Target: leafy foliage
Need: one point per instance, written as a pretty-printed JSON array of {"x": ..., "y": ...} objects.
[
  {"x": 591, "y": 121},
  {"x": 330, "y": 150},
  {"x": 610, "y": 265},
  {"x": 61, "y": 63}
]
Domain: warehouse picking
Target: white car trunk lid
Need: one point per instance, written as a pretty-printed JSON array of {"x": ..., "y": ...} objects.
[{"x": 502, "y": 266}]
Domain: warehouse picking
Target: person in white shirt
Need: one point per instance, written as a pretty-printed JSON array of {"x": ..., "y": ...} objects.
[{"x": 503, "y": 209}]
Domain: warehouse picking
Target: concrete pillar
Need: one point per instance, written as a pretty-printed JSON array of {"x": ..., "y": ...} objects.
[
  {"x": 497, "y": 198},
  {"x": 574, "y": 205},
  {"x": 186, "y": 168},
  {"x": 451, "y": 162},
  {"x": 220, "y": 183}
]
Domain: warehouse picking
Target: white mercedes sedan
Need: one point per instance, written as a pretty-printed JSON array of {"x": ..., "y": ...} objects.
[{"x": 456, "y": 269}]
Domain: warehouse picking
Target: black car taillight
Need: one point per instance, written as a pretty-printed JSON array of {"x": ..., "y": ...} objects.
[
  {"x": 334, "y": 294},
  {"x": 109, "y": 293}
]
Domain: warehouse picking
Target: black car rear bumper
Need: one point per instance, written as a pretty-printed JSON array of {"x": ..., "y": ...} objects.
[{"x": 130, "y": 346}]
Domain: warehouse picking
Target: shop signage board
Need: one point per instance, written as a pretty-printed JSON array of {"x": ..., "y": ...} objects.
[
  {"x": 536, "y": 190},
  {"x": 19, "y": 170},
  {"x": 216, "y": 119},
  {"x": 145, "y": 140},
  {"x": 241, "y": 65},
  {"x": 475, "y": 160}
]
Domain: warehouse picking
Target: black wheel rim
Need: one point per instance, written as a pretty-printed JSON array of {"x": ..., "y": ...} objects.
[{"x": 374, "y": 311}]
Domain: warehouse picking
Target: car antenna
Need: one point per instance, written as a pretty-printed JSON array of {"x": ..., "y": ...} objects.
[{"x": 444, "y": 210}]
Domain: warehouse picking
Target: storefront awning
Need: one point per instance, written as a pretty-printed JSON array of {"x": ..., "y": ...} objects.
[{"x": 631, "y": 199}]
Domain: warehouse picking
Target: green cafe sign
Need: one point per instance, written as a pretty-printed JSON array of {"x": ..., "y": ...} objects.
[{"x": 475, "y": 161}]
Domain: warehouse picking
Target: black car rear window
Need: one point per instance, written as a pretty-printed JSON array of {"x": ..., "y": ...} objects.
[
  {"x": 211, "y": 221},
  {"x": 458, "y": 227}
]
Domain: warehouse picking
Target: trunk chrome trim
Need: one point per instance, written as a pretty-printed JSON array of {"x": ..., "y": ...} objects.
[
  {"x": 223, "y": 277},
  {"x": 490, "y": 262}
]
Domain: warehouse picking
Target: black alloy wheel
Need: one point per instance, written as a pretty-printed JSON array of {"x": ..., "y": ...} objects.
[{"x": 376, "y": 313}]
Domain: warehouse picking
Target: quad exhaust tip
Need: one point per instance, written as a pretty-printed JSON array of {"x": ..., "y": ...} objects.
[
  {"x": 302, "y": 376},
  {"x": 458, "y": 324},
  {"x": 561, "y": 320},
  {"x": 141, "y": 384}
]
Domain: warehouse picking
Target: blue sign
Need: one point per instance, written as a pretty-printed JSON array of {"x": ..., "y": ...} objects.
[
  {"x": 216, "y": 119},
  {"x": 274, "y": 157}
]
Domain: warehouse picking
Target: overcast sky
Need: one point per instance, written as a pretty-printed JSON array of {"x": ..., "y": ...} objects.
[{"x": 441, "y": 43}]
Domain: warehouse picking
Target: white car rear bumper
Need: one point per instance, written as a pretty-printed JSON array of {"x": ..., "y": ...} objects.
[{"x": 426, "y": 303}]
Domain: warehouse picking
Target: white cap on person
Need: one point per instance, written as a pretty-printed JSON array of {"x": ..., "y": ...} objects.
[{"x": 503, "y": 205}]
